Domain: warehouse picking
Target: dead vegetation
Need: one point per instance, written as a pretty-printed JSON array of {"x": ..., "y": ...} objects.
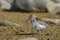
[{"x": 19, "y": 32}]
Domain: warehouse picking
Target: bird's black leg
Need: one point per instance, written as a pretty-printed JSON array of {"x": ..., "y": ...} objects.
[
  {"x": 41, "y": 30},
  {"x": 37, "y": 31}
]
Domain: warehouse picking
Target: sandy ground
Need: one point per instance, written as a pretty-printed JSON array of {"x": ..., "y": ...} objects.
[{"x": 25, "y": 29}]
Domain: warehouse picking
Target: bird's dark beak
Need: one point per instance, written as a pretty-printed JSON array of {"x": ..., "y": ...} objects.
[{"x": 27, "y": 20}]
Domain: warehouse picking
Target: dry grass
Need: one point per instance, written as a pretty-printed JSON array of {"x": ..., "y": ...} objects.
[{"x": 15, "y": 33}]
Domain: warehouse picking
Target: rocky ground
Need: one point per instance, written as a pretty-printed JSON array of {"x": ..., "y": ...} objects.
[{"x": 25, "y": 29}]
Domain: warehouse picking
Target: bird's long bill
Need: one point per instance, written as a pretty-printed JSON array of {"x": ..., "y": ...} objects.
[{"x": 27, "y": 20}]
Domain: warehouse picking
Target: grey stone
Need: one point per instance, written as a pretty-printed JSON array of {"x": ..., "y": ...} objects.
[{"x": 31, "y": 5}]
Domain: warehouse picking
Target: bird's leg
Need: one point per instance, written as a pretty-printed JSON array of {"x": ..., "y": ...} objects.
[
  {"x": 37, "y": 30},
  {"x": 41, "y": 30}
]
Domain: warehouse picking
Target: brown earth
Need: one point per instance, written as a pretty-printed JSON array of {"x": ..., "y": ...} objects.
[{"x": 25, "y": 29}]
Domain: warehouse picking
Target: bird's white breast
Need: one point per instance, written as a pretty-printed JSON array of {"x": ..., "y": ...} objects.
[{"x": 38, "y": 26}]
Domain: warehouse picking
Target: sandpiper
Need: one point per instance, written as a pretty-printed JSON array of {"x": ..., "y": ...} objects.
[{"x": 37, "y": 23}]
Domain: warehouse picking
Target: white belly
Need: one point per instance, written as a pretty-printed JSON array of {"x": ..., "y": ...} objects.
[{"x": 38, "y": 26}]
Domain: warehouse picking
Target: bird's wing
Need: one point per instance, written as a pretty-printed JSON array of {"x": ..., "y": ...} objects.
[
  {"x": 46, "y": 21},
  {"x": 43, "y": 23},
  {"x": 50, "y": 21}
]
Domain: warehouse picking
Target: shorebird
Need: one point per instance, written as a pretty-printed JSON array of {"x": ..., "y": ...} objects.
[{"x": 37, "y": 23}]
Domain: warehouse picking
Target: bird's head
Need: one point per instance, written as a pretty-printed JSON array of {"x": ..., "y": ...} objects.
[{"x": 32, "y": 17}]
